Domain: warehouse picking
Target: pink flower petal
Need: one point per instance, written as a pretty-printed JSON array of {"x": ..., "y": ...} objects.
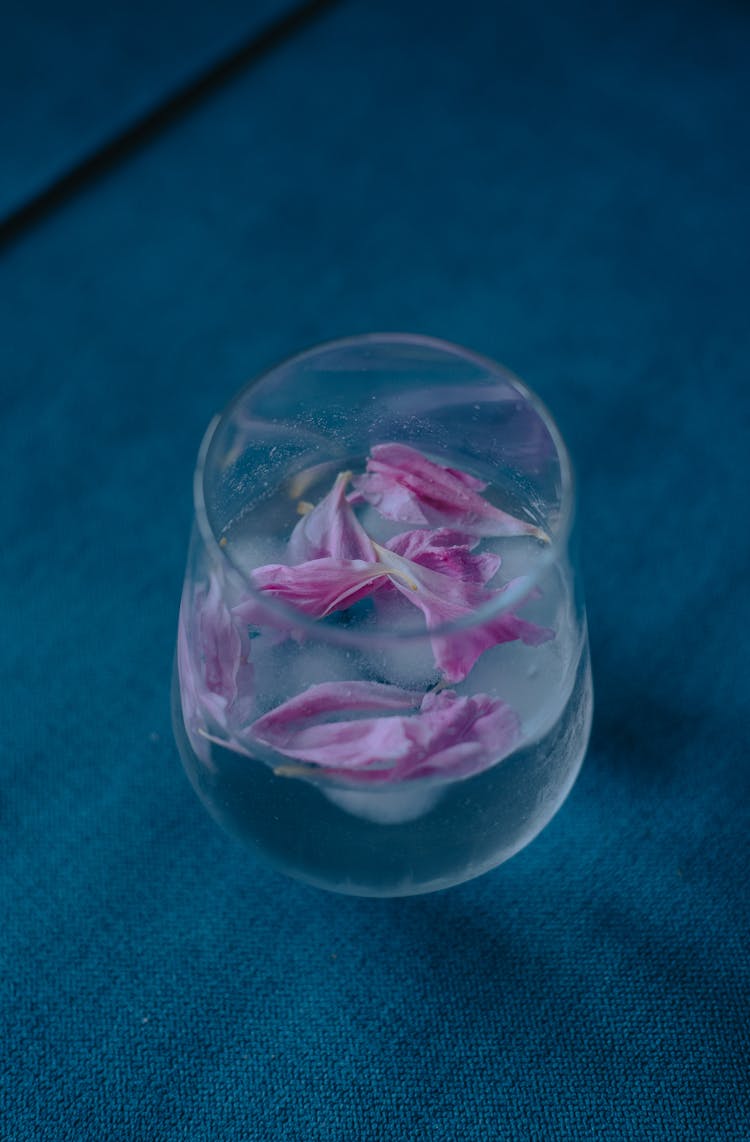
[
  {"x": 213, "y": 663},
  {"x": 404, "y": 485},
  {"x": 338, "y": 697},
  {"x": 220, "y": 644},
  {"x": 456, "y": 654},
  {"x": 461, "y": 736},
  {"x": 287, "y": 728},
  {"x": 446, "y": 551},
  {"x": 331, "y": 529},
  {"x": 316, "y": 588},
  {"x": 447, "y": 735},
  {"x": 445, "y": 599}
]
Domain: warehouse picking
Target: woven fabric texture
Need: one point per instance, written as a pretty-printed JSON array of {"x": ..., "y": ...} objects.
[
  {"x": 563, "y": 187},
  {"x": 74, "y": 75}
]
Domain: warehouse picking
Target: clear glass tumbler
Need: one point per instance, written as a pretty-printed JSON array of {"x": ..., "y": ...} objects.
[{"x": 382, "y": 678}]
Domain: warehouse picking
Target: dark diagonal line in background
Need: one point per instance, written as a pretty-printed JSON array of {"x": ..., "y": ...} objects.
[{"x": 147, "y": 126}]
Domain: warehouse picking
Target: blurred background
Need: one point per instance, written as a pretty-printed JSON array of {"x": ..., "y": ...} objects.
[{"x": 190, "y": 193}]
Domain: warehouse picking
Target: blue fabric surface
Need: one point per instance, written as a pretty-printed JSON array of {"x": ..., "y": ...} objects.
[
  {"x": 563, "y": 188},
  {"x": 73, "y": 75}
]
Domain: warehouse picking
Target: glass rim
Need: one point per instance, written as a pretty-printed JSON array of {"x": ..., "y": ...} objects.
[{"x": 555, "y": 547}]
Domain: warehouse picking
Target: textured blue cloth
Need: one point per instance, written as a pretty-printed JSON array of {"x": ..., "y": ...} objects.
[
  {"x": 563, "y": 187},
  {"x": 74, "y": 74}
]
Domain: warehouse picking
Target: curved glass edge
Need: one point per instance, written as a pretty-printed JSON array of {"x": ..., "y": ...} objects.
[{"x": 555, "y": 550}]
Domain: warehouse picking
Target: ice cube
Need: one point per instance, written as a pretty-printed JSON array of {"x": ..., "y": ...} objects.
[{"x": 392, "y": 806}]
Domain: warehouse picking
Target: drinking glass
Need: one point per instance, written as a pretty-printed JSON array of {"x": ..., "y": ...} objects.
[{"x": 382, "y": 680}]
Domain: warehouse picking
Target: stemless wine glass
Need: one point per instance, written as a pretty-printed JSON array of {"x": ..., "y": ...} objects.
[{"x": 382, "y": 678}]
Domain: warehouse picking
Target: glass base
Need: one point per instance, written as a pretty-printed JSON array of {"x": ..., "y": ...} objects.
[{"x": 417, "y": 837}]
